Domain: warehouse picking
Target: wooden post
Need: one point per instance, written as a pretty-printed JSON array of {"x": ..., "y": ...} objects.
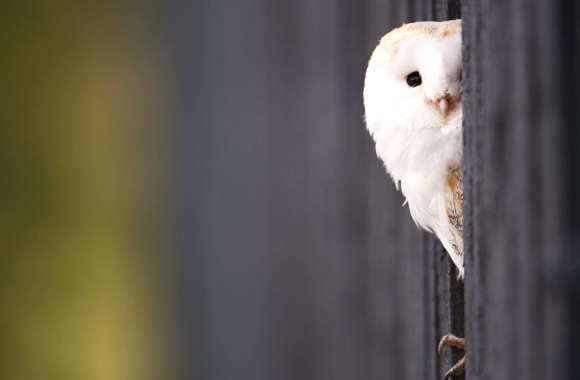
[{"x": 521, "y": 143}]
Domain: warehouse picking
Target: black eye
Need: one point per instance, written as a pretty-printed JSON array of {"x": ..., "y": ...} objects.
[{"x": 414, "y": 79}]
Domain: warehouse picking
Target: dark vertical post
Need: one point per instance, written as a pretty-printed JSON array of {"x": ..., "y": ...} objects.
[
  {"x": 449, "y": 291},
  {"x": 521, "y": 154}
]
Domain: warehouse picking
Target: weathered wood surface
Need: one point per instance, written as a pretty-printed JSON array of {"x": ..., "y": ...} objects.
[{"x": 522, "y": 211}]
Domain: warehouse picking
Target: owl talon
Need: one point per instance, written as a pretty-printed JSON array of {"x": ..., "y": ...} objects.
[
  {"x": 457, "y": 370},
  {"x": 450, "y": 340}
]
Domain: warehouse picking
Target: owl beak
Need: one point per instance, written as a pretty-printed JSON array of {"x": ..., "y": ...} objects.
[{"x": 443, "y": 105}]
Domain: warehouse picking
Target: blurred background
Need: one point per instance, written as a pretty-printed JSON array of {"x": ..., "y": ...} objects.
[
  {"x": 188, "y": 187},
  {"x": 83, "y": 120},
  {"x": 190, "y": 193}
]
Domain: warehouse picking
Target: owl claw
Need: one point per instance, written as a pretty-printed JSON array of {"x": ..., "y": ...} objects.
[
  {"x": 457, "y": 370},
  {"x": 452, "y": 341}
]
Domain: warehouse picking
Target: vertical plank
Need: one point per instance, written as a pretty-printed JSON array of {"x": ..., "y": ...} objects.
[
  {"x": 560, "y": 36},
  {"x": 449, "y": 290},
  {"x": 521, "y": 98}
]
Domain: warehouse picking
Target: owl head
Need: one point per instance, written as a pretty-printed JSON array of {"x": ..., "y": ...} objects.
[{"x": 413, "y": 80}]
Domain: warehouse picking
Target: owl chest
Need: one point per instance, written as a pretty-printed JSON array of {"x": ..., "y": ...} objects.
[
  {"x": 425, "y": 194},
  {"x": 435, "y": 199}
]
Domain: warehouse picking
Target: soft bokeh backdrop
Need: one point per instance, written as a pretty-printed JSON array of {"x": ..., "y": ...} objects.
[{"x": 82, "y": 101}]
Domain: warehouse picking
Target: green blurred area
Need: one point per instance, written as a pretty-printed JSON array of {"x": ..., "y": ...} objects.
[{"x": 79, "y": 288}]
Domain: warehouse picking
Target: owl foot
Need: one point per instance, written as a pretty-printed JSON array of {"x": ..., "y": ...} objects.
[{"x": 452, "y": 341}]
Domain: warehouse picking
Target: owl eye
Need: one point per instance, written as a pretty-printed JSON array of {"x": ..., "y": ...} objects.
[{"x": 414, "y": 79}]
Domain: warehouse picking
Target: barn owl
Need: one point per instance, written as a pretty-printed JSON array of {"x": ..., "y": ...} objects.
[{"x": 412, "y": 99}]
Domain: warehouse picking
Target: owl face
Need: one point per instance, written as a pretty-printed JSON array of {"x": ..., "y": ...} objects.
[{"x": 414, "y": 78}]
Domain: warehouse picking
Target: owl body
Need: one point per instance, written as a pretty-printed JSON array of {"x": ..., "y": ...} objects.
[{"x": 413, "y": 111}]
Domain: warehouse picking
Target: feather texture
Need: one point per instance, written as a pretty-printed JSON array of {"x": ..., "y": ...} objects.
[{"x": 418, "y": 129}]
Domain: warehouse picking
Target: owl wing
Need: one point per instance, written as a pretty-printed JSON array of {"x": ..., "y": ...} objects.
[{"x": 452, "y": 238}]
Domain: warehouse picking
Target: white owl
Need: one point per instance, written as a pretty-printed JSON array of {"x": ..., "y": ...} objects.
[{"x": 412, "y": 99}]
